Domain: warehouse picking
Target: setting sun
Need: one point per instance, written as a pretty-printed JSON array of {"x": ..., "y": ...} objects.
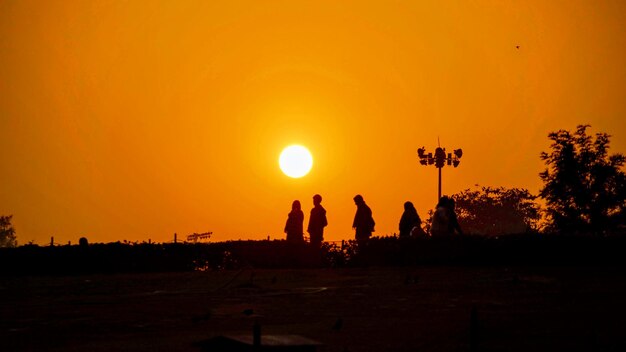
[{"x": 295, "y": 161}]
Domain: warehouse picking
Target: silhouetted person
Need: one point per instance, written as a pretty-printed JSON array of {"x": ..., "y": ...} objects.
[
  {"x": 441, "y": 218},
  {"x": 444, "y": 221},
  {"x": 363, "y": 221},
  {"x": 410, "y": 222},
  {"x": 293, "y": 227},
  {"x": 317, "y": 222}
]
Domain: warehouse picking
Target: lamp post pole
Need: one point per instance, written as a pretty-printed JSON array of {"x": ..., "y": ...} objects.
[
  {"x": 440, "y": 159},
  {"x": 439, "y": 188}
]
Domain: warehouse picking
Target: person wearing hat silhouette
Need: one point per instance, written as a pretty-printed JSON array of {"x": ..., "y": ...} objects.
[
  {"x": 363, "y": 223},
  {"x": 317, "y": 222}
]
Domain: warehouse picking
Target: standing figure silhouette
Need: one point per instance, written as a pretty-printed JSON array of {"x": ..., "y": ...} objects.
[
  {"x": 444, "y": 221},
  {"x": 317, "y": 222},
  {"x": 293, "y": 227},
  {"x": 410, "y": 222},
  {"x": 363, "y": 221}
]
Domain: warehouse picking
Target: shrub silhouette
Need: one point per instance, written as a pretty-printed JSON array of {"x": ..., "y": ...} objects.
[{"x": 496, "y": 211}]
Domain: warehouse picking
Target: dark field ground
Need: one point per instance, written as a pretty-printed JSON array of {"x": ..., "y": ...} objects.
[{"x": 381, "y": 309}]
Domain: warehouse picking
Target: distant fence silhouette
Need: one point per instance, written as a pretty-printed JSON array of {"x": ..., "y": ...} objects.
[{"x": 386, "y": 251}]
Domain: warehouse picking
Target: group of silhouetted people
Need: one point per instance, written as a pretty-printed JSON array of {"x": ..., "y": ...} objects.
[
  {"x": 317, "y": 222},
  {"x": 444, "y": 221}
]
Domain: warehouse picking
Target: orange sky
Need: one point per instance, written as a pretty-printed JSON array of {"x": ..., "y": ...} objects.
[{"x": 137, "y": 119}]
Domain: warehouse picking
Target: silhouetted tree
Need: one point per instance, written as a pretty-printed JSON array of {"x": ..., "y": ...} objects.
[
  {"x": 496, "y": 211},
  {"x": 584, "y": 186},
  {"x": 7, "y": 232}
]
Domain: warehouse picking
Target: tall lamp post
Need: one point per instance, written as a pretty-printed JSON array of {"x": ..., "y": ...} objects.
[{"x": 440, "y": 159}]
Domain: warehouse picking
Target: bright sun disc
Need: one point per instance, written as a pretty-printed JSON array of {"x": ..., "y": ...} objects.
[{"x": 295, "y": 161}]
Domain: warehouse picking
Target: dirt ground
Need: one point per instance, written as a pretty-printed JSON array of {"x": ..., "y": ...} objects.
[{"x": 367, "y": 309}]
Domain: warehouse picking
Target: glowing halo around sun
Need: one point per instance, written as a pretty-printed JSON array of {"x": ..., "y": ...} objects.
[{"x": 295, "y": 161}]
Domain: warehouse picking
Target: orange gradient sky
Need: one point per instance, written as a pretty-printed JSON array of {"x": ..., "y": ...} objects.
[{"x": 138, "y": 119}]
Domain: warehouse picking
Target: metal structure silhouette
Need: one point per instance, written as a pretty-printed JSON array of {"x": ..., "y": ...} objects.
[
  {"x": 440, "y": 159},
  {"x": 194, "y": 237}
]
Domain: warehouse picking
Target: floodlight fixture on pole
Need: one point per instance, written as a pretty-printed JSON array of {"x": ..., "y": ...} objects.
[{"x": 440, "y": 159}]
